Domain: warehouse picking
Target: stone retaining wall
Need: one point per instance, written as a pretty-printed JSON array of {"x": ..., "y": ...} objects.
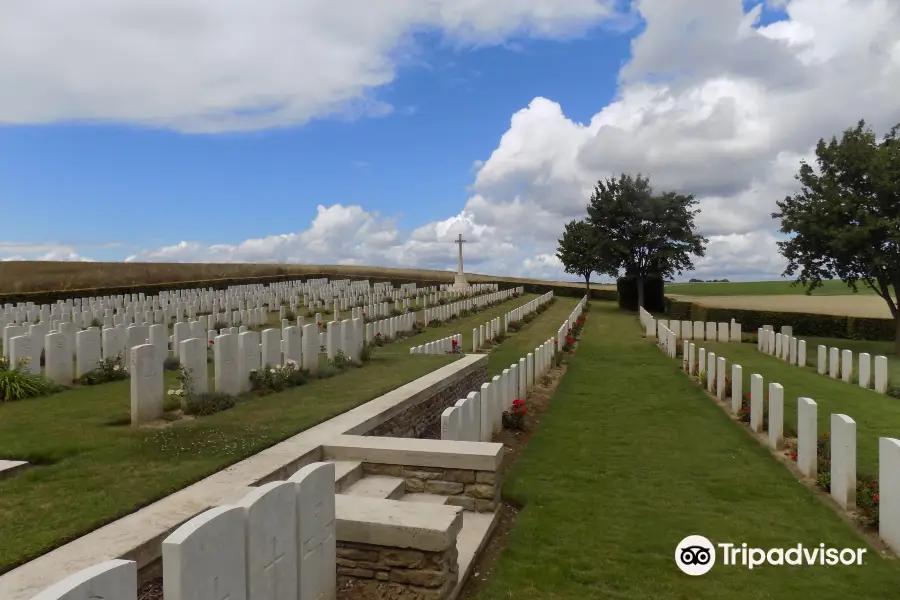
[
  {"x": 419, "y": 417},
  {"x": 396, "y": 573},
  {"x": 472, "y": 490}
]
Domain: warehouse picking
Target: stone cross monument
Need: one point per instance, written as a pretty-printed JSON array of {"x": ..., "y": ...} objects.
[{"x": 460, "y": 282}]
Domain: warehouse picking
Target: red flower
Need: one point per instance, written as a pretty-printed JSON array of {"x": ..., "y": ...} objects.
[
  {"x": 746, "y": 409},
  {"x": 364, "y": 314},
  {"x": 319, "y": 323},
  {"x": 377, "y": 335},
  {"x": 556, "y": 342},
  {"x": 210, "y": 342},
  {"x": 517, "y": 403},
  {"x": 454, "y": 343},
  {"x": 875, "y": 497},
  {"x": 793, "y": 456}
]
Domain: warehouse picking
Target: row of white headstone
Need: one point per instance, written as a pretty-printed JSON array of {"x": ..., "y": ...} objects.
[
  {"x": 566, "y": 327},
  {"x": 241, "y": 305},
  {"x": 447, "y": 311},
  {"x": 487, "y": 332},
  {"x": 441, "y": 346},
  {"x": 478, "y": 416},
  {"x": 235, "y": 357},
  {"x": 834, "y": 362},
  {"x": 517, "y": 314},
  {"x": 277, "y": 543},
  {"x": 843, "y": 444},
  {"x": 691, "y": 330}
]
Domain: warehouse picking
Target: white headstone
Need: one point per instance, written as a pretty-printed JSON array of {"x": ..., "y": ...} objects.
[
  {"x": 756, "y": 402},
  {"x": 807, "y": 437},
  {"x": 316, "y": 531},
  {"x": 225, "y": 360},
  {"x": 843, "y": 460},
  {"x": 58, "y": 358},
  {"x": 272, "y": 563},
  {"x": 147, "y": 385},
  {"x": 110, "y": 580},
  {"x": 193, "y": 353},
  {"x": 889, "y": 492},
  {"x": 87, "y": 351},
  {"x": 207, "y": 557},
  {"x": 776, "y": 415}
]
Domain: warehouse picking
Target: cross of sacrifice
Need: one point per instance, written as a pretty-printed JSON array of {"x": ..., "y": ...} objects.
[{"x": 459, "y": 261}]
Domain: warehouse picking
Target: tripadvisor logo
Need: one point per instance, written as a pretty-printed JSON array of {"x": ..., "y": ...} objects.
[{"x": 696, "y": 555}]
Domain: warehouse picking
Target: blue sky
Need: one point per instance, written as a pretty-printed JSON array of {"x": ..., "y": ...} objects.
[
  {"x": 142, "y": 187},
  {"x": 397, "y": 186}
]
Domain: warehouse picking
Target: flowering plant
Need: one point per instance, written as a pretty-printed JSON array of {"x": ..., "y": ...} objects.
[
  {"x": 271, "y": 379},
  {"x": 514, "y": 417}
]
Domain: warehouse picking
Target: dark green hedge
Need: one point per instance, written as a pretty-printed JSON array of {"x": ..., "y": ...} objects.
[
  {"x": 566, "y": 291},
  {"x": 654, "y": 293},
  {"x": 50, "y": 297},
  {"x": 851, "y": 328}
]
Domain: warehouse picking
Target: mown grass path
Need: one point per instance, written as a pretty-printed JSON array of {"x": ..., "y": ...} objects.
[{"x": 630, "y": 458}]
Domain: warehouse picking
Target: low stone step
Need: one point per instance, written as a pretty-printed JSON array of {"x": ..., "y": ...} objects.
[
  {"x": 378, "y": 486},
  {"x": 425, "y": 498},
  {"x": 346, "y": 473}
]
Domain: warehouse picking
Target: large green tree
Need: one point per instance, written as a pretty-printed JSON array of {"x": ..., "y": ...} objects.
[
  {"x": 641, "y": 232},
  {"x": 579, "y": 252},
  {"x": 845, "y": 221}
]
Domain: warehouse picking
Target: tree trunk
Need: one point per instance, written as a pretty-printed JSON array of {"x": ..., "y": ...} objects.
[
  {"x": 640, "y": 290},
  {"x": 587, "y": 287}
]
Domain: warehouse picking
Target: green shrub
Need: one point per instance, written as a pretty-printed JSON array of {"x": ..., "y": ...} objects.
[
  {"x": 96, "y": 323},
  {"x": 396, "y": 312},
  {"x": 366, "y": 354},
  {"x": 171, "y": 363},
  {"x": 207, "y": 403},
  {"x": 340, "y": 361},
  {"x": 654, "y": 293},
  {"x": 289, "y": 315},
  {"x": 513, "y": 326},
  {"x": 435, "y": 323},
  {"x": 807, "y": 324},
  {"x": 272, "y": 379},
  {"x": 16, "y": 383},
  {"x": 528, "y": 318},
  {"x": 109, "y": 369}
]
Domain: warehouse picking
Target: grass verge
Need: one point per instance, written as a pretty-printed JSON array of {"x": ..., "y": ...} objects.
[
  {"x": 875, "y": 415},
  {"x": 630, "y": 458},
  {"x": 760, "y": 288},
  {"x": 94, "y": 470}
]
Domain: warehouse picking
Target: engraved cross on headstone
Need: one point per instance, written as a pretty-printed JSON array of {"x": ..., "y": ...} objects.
[
  {"x": 272, "y": 567},
  {"x": 216, "y": 594}
]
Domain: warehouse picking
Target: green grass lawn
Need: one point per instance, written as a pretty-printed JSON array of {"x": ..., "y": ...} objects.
[
  {"x": 759, "y": 288},
  {"x": 94, "y": 472},
  {"x": 875, "y": 415},
  {"x": 856, "y": 346},
  {"x": 629, "y": 459}
]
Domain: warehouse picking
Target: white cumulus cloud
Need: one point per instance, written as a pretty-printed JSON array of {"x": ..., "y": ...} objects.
[{"x": 709, "y": 103}]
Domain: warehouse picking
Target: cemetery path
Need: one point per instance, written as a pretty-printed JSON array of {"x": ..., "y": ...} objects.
[
  {"x": 630, "y": 458},
  {"x": 875, "y": 414}
]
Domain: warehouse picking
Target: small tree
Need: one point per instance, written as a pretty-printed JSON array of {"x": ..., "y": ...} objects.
[
  {"x": 578, "y": 252},
  {"x": 845, "y": 221},
  {"x": 643, "y": 233}
]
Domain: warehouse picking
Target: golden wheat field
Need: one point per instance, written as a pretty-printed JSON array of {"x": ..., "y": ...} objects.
[
  {"x": 853, "y": 305},
  {"x": 37, "y": 276}
]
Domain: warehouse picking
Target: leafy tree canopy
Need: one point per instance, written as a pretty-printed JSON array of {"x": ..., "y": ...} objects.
[
  {"x": 642, "y": 232},
  {"x": 845, "y": 221}
]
